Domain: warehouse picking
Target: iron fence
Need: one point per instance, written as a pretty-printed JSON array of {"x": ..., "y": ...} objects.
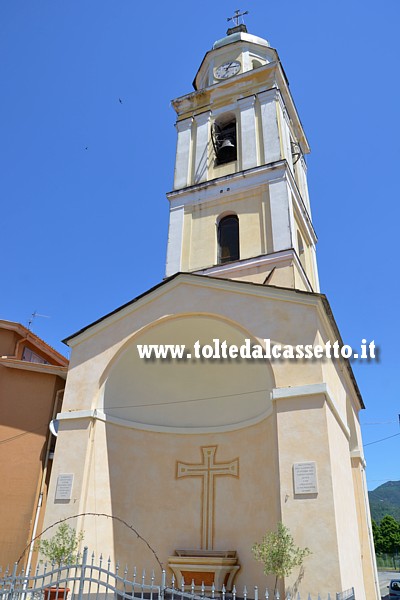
[
  {"x": 346, "y": 595},
  {"x": 84, "y": 579}
]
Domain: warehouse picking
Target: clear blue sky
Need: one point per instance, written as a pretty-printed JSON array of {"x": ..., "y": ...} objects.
[{"x": 83, "y": 177}]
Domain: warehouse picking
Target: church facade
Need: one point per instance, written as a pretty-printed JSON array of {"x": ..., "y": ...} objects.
[{"x": 203, "y": 455}]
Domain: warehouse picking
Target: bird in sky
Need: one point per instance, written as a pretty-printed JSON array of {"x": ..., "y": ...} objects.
[{"x": 120, "y": 101}]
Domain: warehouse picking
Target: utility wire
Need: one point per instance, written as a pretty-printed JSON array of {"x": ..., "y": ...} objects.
[
  {"x": 183, "y": 401},
  {"x": 382, "y": 439},
  {"x": 14, "y": 437},
  {"x": 379, "y": 422},
  {"x": 10, "y": 439}
]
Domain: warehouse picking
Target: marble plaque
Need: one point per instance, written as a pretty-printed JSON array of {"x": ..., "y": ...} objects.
[
  {"x": 64, "y": 486},
  {"x": 305, "y": 478}
]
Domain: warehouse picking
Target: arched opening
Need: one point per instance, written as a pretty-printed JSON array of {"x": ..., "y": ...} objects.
[
  {"x": 300, "y": 245},
  {"x": 225, "y": 139},
  {"x": 256, "y": 64},
  {"x": 228, "y": 239}
]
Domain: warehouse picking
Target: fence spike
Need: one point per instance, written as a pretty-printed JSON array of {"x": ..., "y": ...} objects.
[
  {"x": 203, "y": 589},
  {"x": 319, "y": 597},
  {"x": 163, "y": 579},
  {"x": 173, "y": 581},
  {"x": 266, "y": 594},
  {"x": 298, "y": 596},
  {"x": 143, "y": 576},
  {"x": 223, "y": 591},
  {"x": 309, "y": 596},
  {"x": 213, "y": 590},
  {"x": 288, "y": 597},
  {"x": 329, "y": 596},
  {"x": 183, "y": 585},
  {"x": 245, "y": 592},
  {"x": 234, "y": 592},
  {"x": 192, "y": 587},
  {"x": 255, "y": 592},
  {"x": 134, "y": 574},
  {"x": 277, "y": 595}
]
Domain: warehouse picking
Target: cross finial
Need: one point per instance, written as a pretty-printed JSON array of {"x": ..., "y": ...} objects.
[{"x": 237, "y": 16}]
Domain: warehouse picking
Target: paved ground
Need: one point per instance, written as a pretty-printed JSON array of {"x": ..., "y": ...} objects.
[{"x": 384, "y": 578}]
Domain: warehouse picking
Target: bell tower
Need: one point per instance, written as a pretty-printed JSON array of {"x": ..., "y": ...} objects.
[{"x": 239, "y": 208}]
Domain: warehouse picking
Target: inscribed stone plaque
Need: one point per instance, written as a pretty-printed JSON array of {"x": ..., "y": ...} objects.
[
  {"x": 64, "y": 486},
  {"x": 305, "y": 478}
]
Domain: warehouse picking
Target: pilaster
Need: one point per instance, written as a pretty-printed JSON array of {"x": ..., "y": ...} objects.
[
  {"x": 175, "y": 237},
  {"x": 286, "y": 148},
  {"x": 315, "y": 268},
  {"x": 202, "y": 140},
  {"x": 183, "y": 152},
  {"x": 248, "y": 140},
  {"x": 282, "y": 220},
  {"x": 270, "y": 127}
]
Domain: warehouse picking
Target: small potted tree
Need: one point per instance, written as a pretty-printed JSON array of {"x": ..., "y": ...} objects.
[
  {"x": 60, "y": 549},
  {"x": 279, "y": 554}
]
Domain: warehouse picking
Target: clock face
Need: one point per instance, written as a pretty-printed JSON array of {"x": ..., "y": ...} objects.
[{"x": 227, "y": 70}]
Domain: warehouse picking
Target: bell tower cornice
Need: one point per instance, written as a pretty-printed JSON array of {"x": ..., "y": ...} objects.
[
  {"x": 210, "y": 192},
  {"x": 269, "y": 78}
]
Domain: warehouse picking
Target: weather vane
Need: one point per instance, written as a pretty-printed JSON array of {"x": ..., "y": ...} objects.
[{"x": 237, "y": 16}]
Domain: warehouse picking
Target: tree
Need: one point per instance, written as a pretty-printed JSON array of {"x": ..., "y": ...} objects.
[
  {"x": 279, "y": 554},
  {"x": 62, "y": 546},
  {"x": 390, "y": 534},
  {"x": 376, "y": 532}
]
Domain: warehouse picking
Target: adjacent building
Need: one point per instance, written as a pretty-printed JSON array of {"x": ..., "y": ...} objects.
[{"x": 32, "y": 380}]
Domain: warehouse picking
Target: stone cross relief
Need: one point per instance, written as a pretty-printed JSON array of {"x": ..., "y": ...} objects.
[{"x": 208, "y": 470}]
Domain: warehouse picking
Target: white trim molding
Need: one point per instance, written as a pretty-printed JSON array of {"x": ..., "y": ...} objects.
[
  {"x": 25, "y": 365},
  {"x": 267, "y": 261},
  {"x": 313, "y": 389},
  {"x": 356, "y": 454},
  {"x": 100, "y": 415}
]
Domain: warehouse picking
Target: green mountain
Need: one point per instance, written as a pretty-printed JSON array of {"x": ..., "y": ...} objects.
[{"x": 385, "y": 500}]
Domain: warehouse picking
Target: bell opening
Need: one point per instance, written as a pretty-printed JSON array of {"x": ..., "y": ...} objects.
[{"x": 224, "y": 139}]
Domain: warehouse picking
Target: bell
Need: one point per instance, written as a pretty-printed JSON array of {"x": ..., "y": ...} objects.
[
  {"x": 227, "y": 151},
  {"x": 227, "y": 143}
]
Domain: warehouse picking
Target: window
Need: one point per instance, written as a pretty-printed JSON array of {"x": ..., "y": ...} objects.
[
  {"x": 228, "y": 239},
  {"x": 31, "y": 356},
  {"x": 224, "y": 139}
]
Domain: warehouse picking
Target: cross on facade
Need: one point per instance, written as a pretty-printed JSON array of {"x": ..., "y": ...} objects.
[
  {"x": 208, "y": 470},
  {"x": 237, "y": 16}
]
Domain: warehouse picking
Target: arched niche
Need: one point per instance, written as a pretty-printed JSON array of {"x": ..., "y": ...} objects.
[{"x": 188, "y": 395}]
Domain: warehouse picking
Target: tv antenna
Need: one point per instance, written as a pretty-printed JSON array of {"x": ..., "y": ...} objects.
[{"x": 33, "y": 317}]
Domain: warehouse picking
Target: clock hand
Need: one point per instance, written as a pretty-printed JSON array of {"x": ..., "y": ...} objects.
[{"x": 228, "y": 67}]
